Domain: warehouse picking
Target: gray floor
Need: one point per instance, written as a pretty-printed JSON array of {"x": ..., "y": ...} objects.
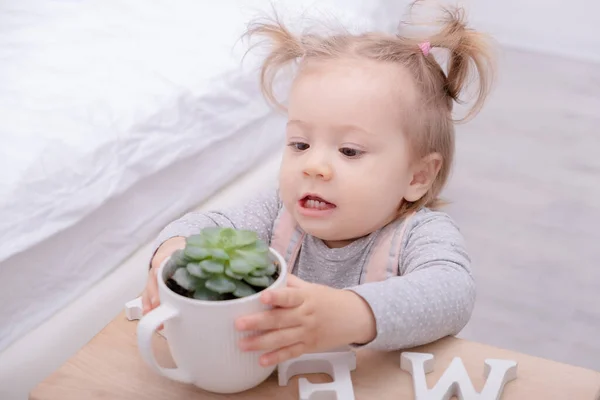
[{"x": 526, "y": 191}]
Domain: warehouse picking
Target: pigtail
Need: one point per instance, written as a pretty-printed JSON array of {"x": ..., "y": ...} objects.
[
  {"x": 469, "y": 57},
  {"x": 284, "y": 48}
]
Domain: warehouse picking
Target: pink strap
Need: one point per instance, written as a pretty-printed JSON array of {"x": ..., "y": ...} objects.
[
  {"x": 380, "y": 255},
  {"x": 283, "y": 229},
  {"x": 384, "y": 254},
  {"x": 398, "y": 248},
  {"x": 283, "y": 234},
  {"x": 383, "y": 261},
  {"x": 294, "y": 253}
]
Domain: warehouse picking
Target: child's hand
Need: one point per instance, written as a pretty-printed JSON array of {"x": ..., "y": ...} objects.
[
  {"x": 306, "y": 318},
  {"x": 150, "y": 298}
]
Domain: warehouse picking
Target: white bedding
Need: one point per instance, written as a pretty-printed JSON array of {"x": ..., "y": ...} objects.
[
  {"x": 115, "y": 120},
  {"x": 95, "y": 98},
  {"x": 116, "y": 116}
]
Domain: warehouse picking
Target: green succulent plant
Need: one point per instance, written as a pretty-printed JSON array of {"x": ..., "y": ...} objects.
[{"x": 221, "y": 264}]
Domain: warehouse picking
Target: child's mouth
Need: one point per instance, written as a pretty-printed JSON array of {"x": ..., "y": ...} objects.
[{"x": 316, "y": 203}]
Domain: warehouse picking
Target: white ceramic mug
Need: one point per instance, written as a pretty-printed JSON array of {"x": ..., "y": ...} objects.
[{"x": 203, "y": 340}]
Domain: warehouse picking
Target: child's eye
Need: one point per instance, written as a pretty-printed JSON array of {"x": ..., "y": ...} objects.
[
  {"x": 352, "y": 153},
  {"x": 299, "y": 146}
]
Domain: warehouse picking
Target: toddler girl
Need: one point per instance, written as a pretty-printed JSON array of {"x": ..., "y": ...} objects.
[{"x": 370, "y": 142}]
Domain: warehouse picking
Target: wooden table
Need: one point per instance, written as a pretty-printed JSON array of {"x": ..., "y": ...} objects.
[{"x": 110, "y": 367}]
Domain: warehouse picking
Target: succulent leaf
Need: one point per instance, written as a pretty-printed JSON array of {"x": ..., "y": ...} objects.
[
  {"x": 202, "y": 293},
  {"x": 257, "y": 260},
  {"x": 171, "y": 264},
  {"x": 258, "y": 272},
  {"x": 242, "y": 289},
  {"x": 219, "y": 254},
  {"x": 232, "y": 274},
  {"x": 260, "y": 281},
  {"x": 184, "y": 279},
  {"x": 196, "y": 270},
  {"x": 240, "y": 266},
  {"x": 179, "y": 257},
  {"x": 256, "y": 247},
  {"x": 246, "y": 238},
  {"x": 212, "y": 235},
  {"x": 221, "y": 284},
  {"x": 196, "y": 240},
  {"x": 269, "y": 270},
  {"x": 212, "y": 266},
  {"x": 196, "y": 253}
]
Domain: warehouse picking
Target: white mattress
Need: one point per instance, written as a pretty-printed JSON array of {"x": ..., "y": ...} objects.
[{"x": 117, "y": 116}]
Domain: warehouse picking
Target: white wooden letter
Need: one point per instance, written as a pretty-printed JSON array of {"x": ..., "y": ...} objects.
[
  {"x": 335, "y": 364},
  {"x": 455, "y": 381}
]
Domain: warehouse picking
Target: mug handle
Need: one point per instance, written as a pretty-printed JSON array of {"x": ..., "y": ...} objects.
[{"x": 145, "y": 330}]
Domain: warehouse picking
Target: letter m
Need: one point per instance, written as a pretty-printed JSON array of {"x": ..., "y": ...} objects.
[{"x": 455, "y": 381}]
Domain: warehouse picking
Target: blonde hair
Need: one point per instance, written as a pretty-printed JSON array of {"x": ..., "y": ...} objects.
[{"x": 430, "y": 128}]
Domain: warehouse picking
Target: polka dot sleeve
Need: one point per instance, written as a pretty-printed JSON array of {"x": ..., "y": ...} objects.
[
  {"x": 257, "y": 214},
  {"x": 434, "y": 295}
]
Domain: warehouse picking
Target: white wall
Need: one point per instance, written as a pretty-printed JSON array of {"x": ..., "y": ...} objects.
[{"x": 564, "y": 27}]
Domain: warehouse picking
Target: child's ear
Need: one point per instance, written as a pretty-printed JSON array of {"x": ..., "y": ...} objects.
[{"x": 423, "y": 173}]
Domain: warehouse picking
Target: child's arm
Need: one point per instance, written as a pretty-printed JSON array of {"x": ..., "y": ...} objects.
[
  {"x": 433, "y": 298},
  {"x": 435, "y": 294},
  {"x": 257, "y": 215}
]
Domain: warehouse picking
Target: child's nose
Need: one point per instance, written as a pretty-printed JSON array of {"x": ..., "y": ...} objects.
[{"x": 318, "y": 169}]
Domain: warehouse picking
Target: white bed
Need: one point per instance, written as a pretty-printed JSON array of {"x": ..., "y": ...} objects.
[
  {"x": 117, "y": 117},
  {"x": 112, "y": 131}
]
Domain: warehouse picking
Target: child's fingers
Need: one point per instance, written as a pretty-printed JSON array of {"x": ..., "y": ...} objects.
[
  {"x": 150, "y": 298},
  {"x": 286, "y": 297},
  {"x": 283, "y": 354},
  {"x": 273, "y": 340},
  {"x": 147, "y": 307},
  {"x": 154, "y": 300},
  {"x": 145, "y": 302},
  {"x": 278, "y": 318},
  {"x": 294, "y": 281}
]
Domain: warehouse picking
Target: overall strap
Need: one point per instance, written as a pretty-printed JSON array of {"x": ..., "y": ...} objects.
[
  {"x": 287, "y": 237},
  {"x": 384, "y": 257}
]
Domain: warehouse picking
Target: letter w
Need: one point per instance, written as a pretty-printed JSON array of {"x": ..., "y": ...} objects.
[{"x": 455, "y": 381}]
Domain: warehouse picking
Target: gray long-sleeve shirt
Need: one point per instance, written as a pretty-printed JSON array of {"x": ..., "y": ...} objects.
[{"x": 432, "y": 296}]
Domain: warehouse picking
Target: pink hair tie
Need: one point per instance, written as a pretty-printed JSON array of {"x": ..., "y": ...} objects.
[{"x": 425, "y": 47}]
